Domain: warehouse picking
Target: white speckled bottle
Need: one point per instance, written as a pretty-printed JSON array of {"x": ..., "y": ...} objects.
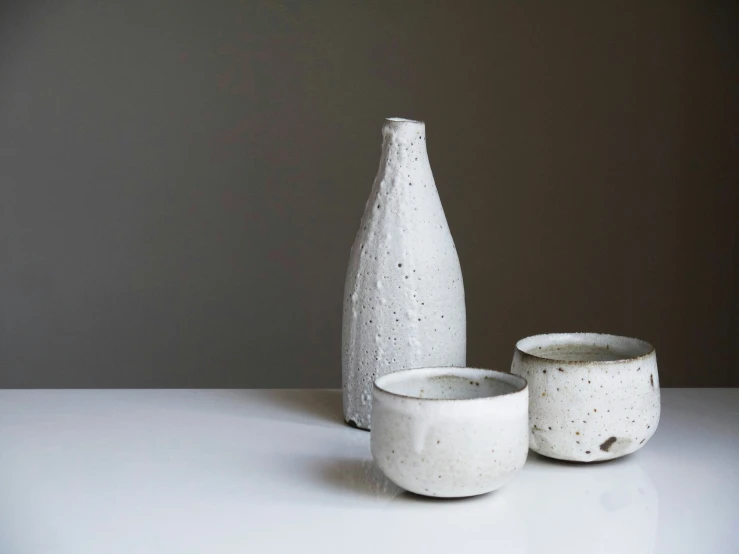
[{"x": 403, "y": 295}]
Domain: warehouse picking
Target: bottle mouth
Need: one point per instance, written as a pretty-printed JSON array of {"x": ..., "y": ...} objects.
[{"x": 402, "y": 120}]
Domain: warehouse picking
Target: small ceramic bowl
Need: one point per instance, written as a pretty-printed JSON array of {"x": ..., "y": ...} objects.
[
  {"x": 591, "y": 397},
  {"x": 450, "y": 431}
]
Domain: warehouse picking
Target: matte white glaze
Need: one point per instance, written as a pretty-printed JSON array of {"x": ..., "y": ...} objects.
[
  {"x": 591, "y": 396},
  {"x": 403, "y": 295},
  {"x": 450, "y": 432}
]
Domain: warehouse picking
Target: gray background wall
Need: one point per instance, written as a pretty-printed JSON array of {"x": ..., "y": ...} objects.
[{"x": 180, "y": 182}]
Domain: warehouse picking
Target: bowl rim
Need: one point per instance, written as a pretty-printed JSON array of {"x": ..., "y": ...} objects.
[
  {"x": 520, "y": 387},
  {"x": 650, "y": 352}
]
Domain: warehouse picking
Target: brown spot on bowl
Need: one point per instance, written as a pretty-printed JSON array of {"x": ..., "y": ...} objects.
[{"x": 607, "y": 444}]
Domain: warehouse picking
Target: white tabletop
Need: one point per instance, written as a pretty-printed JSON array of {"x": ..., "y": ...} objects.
[{"x": 236, "y": 471}]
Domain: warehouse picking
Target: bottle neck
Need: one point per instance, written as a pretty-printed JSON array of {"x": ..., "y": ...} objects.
[
  {"x": 404, "y": 131},
  {"x": 404, "y": 142}
]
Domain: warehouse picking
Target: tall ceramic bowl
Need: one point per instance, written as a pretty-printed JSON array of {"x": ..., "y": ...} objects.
[
  {"x": 592, "y": 396},
  {"x": 450, "y": 431}
]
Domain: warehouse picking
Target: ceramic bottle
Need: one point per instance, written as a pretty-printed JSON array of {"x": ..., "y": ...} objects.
[{"x": 403, "y": 294}]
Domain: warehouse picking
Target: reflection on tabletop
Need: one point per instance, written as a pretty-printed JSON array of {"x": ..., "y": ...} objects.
[
  {"x": 552, "y": 506},
  {"x": 558, "y": 506}
]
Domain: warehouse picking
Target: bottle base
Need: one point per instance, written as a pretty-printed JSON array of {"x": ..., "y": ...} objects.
[{"x": 352, "y": 423}]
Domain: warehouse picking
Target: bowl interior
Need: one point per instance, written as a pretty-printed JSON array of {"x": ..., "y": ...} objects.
[
  {"x": 584, "y": 347},
  {"x": 450, "y": 383}
]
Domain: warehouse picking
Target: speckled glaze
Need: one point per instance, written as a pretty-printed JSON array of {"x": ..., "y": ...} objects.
[
  {"x": 592, "y": 397},
  {"x": 450, "y": 432},
  {"x": 403, "y": 294}
]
